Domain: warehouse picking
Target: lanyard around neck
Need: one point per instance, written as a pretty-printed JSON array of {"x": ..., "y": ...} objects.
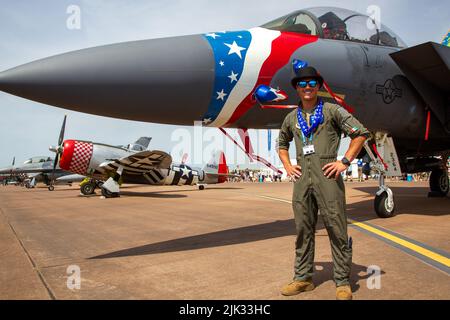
[
  {"x": 310, "y": 139},
  {"x": 308, "y": 127}
]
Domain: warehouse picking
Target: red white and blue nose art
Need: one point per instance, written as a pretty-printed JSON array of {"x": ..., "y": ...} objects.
[{"x": 245, "y": 60}]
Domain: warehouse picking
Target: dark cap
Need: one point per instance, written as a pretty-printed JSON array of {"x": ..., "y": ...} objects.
[{"x": 307, "y": 73}]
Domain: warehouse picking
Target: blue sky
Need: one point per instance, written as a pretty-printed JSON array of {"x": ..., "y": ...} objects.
[{"x": 30, "y": 30}]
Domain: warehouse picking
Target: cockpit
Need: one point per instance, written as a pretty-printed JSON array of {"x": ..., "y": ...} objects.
[
  {"x": 38, "y": 160},
  {"x": 135, "y": 147},
  {"x": 337, "y": 24},
  {"x": 132, "y": 147}
]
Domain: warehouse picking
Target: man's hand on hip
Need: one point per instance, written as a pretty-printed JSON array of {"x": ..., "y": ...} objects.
[
  {"x": 294, "y": 171},
  {"x": 334, "y": 169}
]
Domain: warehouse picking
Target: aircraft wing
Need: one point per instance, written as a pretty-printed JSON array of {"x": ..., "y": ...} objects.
[
  {"x": 140, "y": 162},
  {"x": 6, "y": 171},
  {"x": 33, "y": 175},
  {"x": 33, "y": 170}
]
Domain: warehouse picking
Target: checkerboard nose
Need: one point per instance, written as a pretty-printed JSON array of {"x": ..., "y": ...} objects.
[{"x": 76, "y": 156}]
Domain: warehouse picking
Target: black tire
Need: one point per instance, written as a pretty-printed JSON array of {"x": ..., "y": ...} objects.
[
  {"x": 439, "y": 182},
  {"x": 87, "y": 189},
  {"x": 109, "y": 194},
  {"x": 51, "y": 188},
  {"x": 99, "y": 184},
  {"x": 381, "y": 206},
  {"x": 201, "y": 187}
]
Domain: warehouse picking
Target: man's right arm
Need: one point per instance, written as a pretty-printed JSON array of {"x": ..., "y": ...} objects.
[{"x": 284, "y": 139}]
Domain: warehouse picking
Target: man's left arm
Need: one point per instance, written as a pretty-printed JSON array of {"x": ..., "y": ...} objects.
[{"x": 356, "y": 131}]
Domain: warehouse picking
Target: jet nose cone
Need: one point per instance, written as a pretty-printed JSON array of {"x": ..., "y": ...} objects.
[
  {"x": 140, "y": 80},
  {"x": 13, "y": 80}
]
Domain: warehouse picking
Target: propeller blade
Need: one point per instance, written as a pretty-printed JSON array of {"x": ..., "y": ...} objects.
[
  {"x": 12, "y": 168},
  {"x": 58, "y": 149},
  {"x": 55, "y": 163},
  {"x": 63, "y": 129}
]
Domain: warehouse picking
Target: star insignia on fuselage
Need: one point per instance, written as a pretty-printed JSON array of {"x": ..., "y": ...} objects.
[
  {"x": 389, "y": 91},
  {"x": 186, "y": 172}
]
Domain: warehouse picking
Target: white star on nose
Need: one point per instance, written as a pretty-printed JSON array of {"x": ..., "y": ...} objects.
[
  {"x": 212, "y": 35},
  {"x": 234, "y": 48},
  {"x": 221, "y": 95},
  {"x": 233, "y": 76},
  {"x": 221, "y": 63}
]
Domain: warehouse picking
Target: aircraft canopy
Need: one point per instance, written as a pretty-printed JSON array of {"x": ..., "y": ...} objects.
[
  {"x": 337, "y": 24},
  {"x": 38, "y": 160}
]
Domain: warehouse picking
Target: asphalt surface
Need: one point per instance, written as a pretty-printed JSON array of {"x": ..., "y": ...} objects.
[{"x": 229, "y": 241}]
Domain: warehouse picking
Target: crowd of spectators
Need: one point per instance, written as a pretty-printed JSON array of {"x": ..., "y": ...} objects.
[{"x": 250, "y": 175}]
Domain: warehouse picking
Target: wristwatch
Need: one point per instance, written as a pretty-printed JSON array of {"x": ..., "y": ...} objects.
[{"x": 345, "y": 161}]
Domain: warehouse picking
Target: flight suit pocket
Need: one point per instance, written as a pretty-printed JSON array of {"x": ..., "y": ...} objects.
[{"x": 335, "y": 207}]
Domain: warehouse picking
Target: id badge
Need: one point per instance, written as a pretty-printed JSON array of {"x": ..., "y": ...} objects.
[{"x": 309, "y": 149}]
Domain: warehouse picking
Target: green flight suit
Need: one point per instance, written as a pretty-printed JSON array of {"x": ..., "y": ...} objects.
[{"x": 313, "y": 191}]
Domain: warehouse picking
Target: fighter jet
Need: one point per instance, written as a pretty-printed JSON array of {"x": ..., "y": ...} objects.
[
  {"x": 401, "y": 94},
  {"x": 107, "y": 166},
  {"x": 40, "y": 169},
  {"x": 7, "y": 177}
]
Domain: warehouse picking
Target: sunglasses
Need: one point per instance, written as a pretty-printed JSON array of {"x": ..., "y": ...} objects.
[{"x": 311, "y": 83}]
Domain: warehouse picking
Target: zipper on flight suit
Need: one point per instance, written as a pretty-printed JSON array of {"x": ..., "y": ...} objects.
[
  {"x": 304, "y": 140},
  {"x": 309, "y": 171}
]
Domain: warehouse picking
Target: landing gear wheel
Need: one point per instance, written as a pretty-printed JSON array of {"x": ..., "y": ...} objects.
[
  {"x": 109, "y": 194},
  {"x": 383, "y": 207},
  {"x": 201, "y": 187},
  {"x": 87, "y": 188},
  {"x": 51, "y": 188},
  {"x": 439, "y": 182}
]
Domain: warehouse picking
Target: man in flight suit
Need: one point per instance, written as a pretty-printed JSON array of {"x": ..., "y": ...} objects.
[{"x": 316, "y": 129}]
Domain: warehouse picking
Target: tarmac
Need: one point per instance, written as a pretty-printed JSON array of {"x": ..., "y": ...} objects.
[{"x": 229, "y": 241}]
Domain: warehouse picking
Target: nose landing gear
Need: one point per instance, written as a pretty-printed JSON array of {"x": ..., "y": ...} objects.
[{"x": 384, "y": 203}]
